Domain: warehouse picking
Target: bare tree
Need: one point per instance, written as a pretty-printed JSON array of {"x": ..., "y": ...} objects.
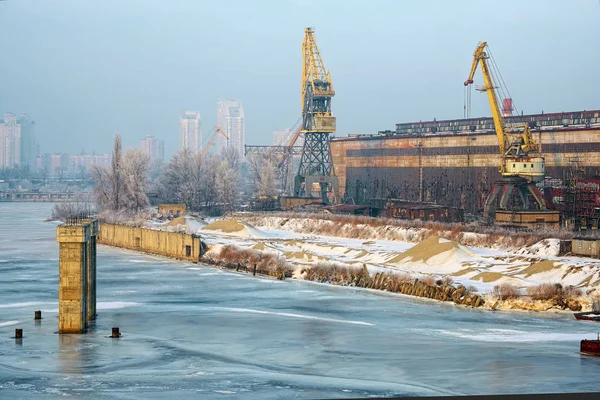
[
  {"x": 208, "y": 182},
  {"x": 263, "y": 173},
  {"x": 102, "y": 186},
  {"x": 76, "y": 209},
  {"x": 134, "y": 170},
  {"x": 122, "y": 186},
  {"x": 116, "y": 176},
  {"x": 267, "y": 180},
  {"x": 176, "y": 184},
  {"x": 227, "y": 185}
]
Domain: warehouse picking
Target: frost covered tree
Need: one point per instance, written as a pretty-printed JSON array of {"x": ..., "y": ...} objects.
[
  {"x": 123, "y": 185},
  {"x": 176, "y": 184},
  {"x": 135, "y": 167},
  {"x": 263, "y": 174},
  {"x": 227, "y": 186}
]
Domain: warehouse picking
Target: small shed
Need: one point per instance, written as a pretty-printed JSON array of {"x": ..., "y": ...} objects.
[
  {"x": 586, "y": 246},
  {"x": 174, "y": 210}
]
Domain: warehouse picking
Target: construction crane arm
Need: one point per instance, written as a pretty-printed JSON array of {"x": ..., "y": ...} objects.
[
  {"x": 480, "y": 58},
  {"x": 291, "y": 144},
  {"x": 212, "y": 139},
  {"x": 476, "y": 57}
]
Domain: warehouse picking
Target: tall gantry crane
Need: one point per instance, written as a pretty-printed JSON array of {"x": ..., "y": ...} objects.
[
  {"x": 316, "y": 165},
  {"x": 519, "y": 170}
]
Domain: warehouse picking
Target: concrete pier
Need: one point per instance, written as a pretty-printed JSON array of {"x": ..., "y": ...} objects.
[
  {"x": 77, "y": 275},
  {"x": 91, "y": 269}
]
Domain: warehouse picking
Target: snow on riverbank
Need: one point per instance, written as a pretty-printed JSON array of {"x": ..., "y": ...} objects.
[{"x": 482, "y": 268}]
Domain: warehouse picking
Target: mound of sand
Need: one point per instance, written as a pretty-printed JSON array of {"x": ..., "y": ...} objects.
[
  {"x": 539, "y": 267},
  {"x": 232, "y": 227},
  {"x": 225, "y": 225},
  {"x": 177, "y": 221},
  {"x": 427, "y": 249}
]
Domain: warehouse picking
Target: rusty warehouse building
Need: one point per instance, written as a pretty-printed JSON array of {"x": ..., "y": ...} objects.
[{"x": 455, "y": 162}]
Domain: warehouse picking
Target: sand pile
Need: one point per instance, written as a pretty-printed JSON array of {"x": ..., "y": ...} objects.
[
  {"x": 428, "y": 249},
  {"x": 232, "y": 227},
  {"x": 177, "y": 221}
]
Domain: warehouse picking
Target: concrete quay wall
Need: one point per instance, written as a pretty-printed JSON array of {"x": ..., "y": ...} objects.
[{"x": 180, "y": 246}]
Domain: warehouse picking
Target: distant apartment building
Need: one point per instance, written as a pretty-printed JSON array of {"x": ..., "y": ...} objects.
[
  {"x": 70, "y": 165},
  {"x": 84, "y": 162},
  {"x": 153, "y": 148},
  {"x": 29, "y": 146},
  {"x": 190, "y": 131},
  {"x": 59, "y": 163},
  {"x": 230, "y": 118},
  {"x": 17, "y": 141},
  {"x": 10, "y": 141}
]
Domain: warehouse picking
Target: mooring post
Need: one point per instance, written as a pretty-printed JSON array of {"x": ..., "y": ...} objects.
[
  {"x": 254, "y": 273},
  {"x": 18, "y": 333},
  {"x": 115, "y": 333},
  {"x": 38, "y": 315}
]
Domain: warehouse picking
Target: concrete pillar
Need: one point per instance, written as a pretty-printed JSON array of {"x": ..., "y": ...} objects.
[
  {"x": 91, "y": 269},
  {"x": 73, "y": 239}
]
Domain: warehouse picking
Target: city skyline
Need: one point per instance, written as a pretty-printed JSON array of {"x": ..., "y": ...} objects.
[{"x": 107, "y": 87}]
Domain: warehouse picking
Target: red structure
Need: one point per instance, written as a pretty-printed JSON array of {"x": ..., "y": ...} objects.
[
  {"x": 579, "y": 203},
  {"x": 590, "y": 347},
  {"x": 507, "y": 107}
]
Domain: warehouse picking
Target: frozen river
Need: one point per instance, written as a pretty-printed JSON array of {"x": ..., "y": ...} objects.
[{"x": 195, "y": 331}]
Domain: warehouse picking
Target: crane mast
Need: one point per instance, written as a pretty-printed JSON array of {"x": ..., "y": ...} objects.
[{"x": 316, "y": 165}]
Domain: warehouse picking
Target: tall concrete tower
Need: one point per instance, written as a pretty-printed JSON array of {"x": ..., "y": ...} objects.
[
  {"x": 230, "y": 118},
  {"x": 10, "y": 141},
  {"x": 190, "y": 131}
]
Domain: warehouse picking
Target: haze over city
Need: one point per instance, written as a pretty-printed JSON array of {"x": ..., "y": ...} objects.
[{"x": 87, "y": 70}]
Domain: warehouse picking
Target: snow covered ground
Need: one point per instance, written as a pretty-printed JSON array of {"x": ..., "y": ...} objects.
[{"x": 482, "y": 268}]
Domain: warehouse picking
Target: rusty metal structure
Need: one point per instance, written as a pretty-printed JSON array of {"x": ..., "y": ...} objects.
[{"x": 455, "y": 162}]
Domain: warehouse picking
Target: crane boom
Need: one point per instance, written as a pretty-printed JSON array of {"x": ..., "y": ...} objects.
[
  {"x": 480, "y": 57},
  {"x": 212, "y": 139}
]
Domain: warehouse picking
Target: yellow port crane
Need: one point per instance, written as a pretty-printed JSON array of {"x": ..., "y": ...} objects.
[
  {"x": 519, "y": 170},
  {"x": 516, "y": 161},
  {"x": 316, "y": 165},
  {"x": 217, "y": 130}
]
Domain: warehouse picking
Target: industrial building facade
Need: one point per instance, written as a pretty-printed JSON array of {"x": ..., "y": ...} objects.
[{"x": 455, "y": 163}]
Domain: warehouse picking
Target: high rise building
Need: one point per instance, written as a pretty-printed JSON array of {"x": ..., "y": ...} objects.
[
  {"x": 79, "y": 162},
  {"x": 153, "y": 148},
  {"x": 190, "y": 131},
  {"x": 230, "y": 118},
  {"x": 59, "y": 164},
  {"x": 10, "y": 141},
  {"x": 29, "y": 148}
]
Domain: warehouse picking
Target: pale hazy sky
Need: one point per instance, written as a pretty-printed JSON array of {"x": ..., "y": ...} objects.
[{"x": 85, "y": 70}]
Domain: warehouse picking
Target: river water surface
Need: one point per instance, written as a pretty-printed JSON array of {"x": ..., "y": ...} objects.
[{"x": 195, "y": 331}]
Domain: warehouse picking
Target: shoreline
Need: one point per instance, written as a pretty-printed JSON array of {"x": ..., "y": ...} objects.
[{"x": 208, "y": 263}]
